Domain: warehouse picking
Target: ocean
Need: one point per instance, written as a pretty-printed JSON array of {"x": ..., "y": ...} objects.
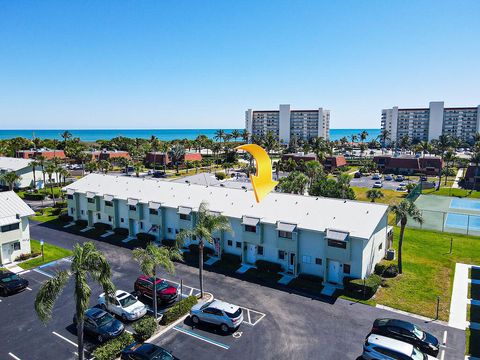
[{"x": 92, "y": 135}]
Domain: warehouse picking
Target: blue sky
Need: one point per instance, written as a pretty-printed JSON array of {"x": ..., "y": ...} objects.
[{"x": 200, "y": 64}]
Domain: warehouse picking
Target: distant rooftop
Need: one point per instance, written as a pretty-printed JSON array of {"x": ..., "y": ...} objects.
[{"x": 13, "y": 164}]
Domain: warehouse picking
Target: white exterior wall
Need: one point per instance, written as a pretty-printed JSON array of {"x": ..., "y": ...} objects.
[
  {"x": 372, "y": 254},
  {"x": 284, "y": 123},
  {"x": 8, "y": 239},
  {"x": 249, "y": 121},
  {"x": 311, "y": 244},
  {"x": 123, "y": 214},
  {"x": 435, "y": 124}
]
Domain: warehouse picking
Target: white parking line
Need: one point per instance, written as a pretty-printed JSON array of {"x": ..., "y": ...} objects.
[
  {"x": 442, "y": 355},
  {"x": 64, "y": 338},
  {"x": 249, "y": 317},
  {"x": 445, "y": 337},
  {"x": 43, "y": 273},
  {"x": 249, "y": 322},
  {"x": 191, "y": 292},
  {"x": 29, "y": 288},
  {"x": 13, "y": 356},
  {"x": 200, "y": 337}
]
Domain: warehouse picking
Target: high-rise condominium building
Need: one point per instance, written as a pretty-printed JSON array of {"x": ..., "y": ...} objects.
[
  {"x": 425, "y": 124},
  {"x": 285, "y": 123}
]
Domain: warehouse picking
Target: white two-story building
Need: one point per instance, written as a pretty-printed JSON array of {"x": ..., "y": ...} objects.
[
  {"x": 14, "y": 227},
  {"x": 330, "y": 238}
]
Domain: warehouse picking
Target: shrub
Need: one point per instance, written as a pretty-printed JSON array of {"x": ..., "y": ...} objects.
[
  {"x": 220, "y": 176},
  {"x": 362, "y": 289},
  {"x": 310, "y": 277},
  {"x": 35, "y": 197},
  {"x": 121, "y": 231},
  {"x": 268, "y": 266},
  {"x": 81, "y": 223},
  {"x": 23, "y": 257},
  {"x": 102, "y": 226},
  {"x": 145, "y": 328},
  {"x": 178, "y": 310},
  {"x": 386, "y": 270},
  {"x": 57, "y": 211},
  {"x": 38, "y": 213},
  {"x": 169, "y": 242},
  {"x": 112, "y": 348},
  {"x": 60, "y": 204},
  {"x": 146, "y": 238},
  {"x": 232, "y": 258},
  {"x": 206, "y": 250},
  {"x": 65, "y": 218},
  {"x": 380, "y": 268}
]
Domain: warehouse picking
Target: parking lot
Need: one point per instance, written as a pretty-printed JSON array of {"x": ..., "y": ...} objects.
[
  {"x": 277, "y": 325},
  {"x": 367, "y": 182}
]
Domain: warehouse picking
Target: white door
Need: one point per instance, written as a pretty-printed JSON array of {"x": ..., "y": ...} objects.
[
  {"x": 333, "y": 272},
  {"x": 251, "y": 254},
  {"x": 6, "y": 253}
]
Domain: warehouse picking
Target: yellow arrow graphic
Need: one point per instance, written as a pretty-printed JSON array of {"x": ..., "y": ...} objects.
[{"x": 262, "y": 181}]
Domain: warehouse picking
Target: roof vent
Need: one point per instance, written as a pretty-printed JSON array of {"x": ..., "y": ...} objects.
[
  {"x": 316, "y": 198},
  {"x": 367, "y": 211},
  {"x": 308, "y": 213},
  {"x": 345, "y": 201}
]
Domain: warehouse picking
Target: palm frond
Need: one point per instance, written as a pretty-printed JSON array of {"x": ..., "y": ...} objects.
[{"x": 48, "y": 295}]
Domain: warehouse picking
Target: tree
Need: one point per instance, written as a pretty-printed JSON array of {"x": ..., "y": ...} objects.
[
  {"x": 41, "y": 161},
  {"x": 354, "y": 138},
  {"x": 475, "y": 158},
  {"x": 87, "y": 263},
  {"x": 105, "y": 166},
  {"x": 441, "y": 146},
  {"x": 245, "y": 135},
  {"x": 177, "y": 154},
  {"x": 318, "y": 146},
  {"x": 270, "y": 142},
  {"x": 63, "y": 174},
  {"x": 295, "y": 183},
  {"x": 235, "y": 134},
  {"x": 65, "y": 136},
  {"x": 34, "y": 165},
  {"x": 312, "y": 169},
  {"x": 51, "y": 169},
  {"x": 10, "y": 179},
  {"x": 219, "y": 135},
  {"x": 449, "y": 158},
  {"x": 403, "y": 211},
  {"x": 383, "y": 137},
  {"x": 363, "y": 135},
  {"x": 153, "y": 257},
  {"x": 138, "y": 168},
  {"x": 91, "y": 166},
  {"x": 207, "y": 224},
  {"x": 374, "y": 194}
]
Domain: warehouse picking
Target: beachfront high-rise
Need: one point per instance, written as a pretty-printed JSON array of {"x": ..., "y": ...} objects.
[
  {"x": 285, "y": 123},
  {"x": 426, "y": 124}
]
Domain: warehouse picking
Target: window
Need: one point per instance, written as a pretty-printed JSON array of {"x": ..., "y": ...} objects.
[
  {"x": 285, "y": 234},
  {"x": 16, "y": 245},
  {"x": 238, "y": 244},
  {"x": 72, "y": 210},
  {"x": 380, "y": 246},
  {"x": 177, "y": 231},
  {"x": 108, "y": 203},
  {"x": 337, "y": 244},
  {"x": 306, "y": 259},
  {"x": 141, "y": 225},
  {"x": 91, "y": 200},
  {"x": 99, "y": 216},
  {"x": 169, "y": 230},
  {"x": 153, "y": 211},
  {"x": 346, "y": 269},
  {"x": 250, "y": 228},
  {"x": 132, "y": 208},
  {"x": 11, "y": 227},
  {"x": 229, "y": 242},
  {"x": 70, "y": 197},
  {"x": 121, "y": 220},
  {"x": 281, "y": 254},
  {"x": 82, "y": 212},
  {"x": 260, "y": 250},
  {"x": 318, "y": 261},
  {"x": 184, "y": 217},
  {"x": 109, "y": 218}
]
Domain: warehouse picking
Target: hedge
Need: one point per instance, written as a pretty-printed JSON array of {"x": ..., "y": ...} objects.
[
  {"x": 386, "y": 270},
  {"x": 220, "y": 176},
  {"x": 169, "y": 242},
  {"x": 81, "y": 222},
  {"x": 232, "y": 258},
  {"x": 178, "y": 310},
  {"x": 112, "y": 348},
  {"x": 23, "y": 257},
  {"x": 144, "y": 237},
  {"x": 206, "y": 250},
  {"x": 35, "y": 197},
  {"x": 362, "y": 289},
  {"x": 145, "y": 328},
  {"x": 65, "y": 218},
  {"x": 268, "y": 266},
  {"x": 102, "y": 226},
  {"x": 121, "y": 231},
  {"x": 60, "y": 204},
  {"x": 310, "y": 277}
]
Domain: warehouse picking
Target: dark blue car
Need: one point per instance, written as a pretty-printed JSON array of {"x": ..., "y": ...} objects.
[
  {"x": 146, "y": 351},
  {"x": 101, "y": 325}
]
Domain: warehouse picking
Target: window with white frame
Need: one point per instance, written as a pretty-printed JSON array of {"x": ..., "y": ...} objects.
[{"x": 306, "y": 259}]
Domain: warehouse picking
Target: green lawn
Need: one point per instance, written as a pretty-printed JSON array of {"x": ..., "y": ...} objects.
[
  {"x": 51, "y": 253},
  {"x": 46, "y": 216},
  {"x": 390, "y": 197},
  {"x": 453, "y": 192},
  {"x": 57, "y": 191},
  {"x": 428, "y": 271}
]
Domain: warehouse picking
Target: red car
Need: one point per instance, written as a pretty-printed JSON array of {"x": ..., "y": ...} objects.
[{"x": 166, "y": 293}]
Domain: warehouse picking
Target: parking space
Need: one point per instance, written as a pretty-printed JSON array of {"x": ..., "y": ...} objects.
[
  {"x": 367, "y": 182},
  {"x": 208, "y": 341}
]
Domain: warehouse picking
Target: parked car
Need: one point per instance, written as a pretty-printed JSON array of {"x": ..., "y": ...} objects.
[
  {"x": 358, "y": 175},
  {"x": 146, "y": 351},
  {"x": 401, "y": 188},
  {"x": 399, "y": 178},
  {"x": 227, "y": 316},
  {"x": 381, "y": 347},
  {"x": 378, "y": 184},
  {"x": 376, "y": 177},
  {"x": 100, "y": 324},
  {"x": 159, "y": 174},
  {"x": 388, "y": 177},
  {"x": 423, "y": 178},
  {"x": 407, "y": 332},
  {"x": 166, "y": 293},
  {"x": 402, "y": 184},
  {"x": 124, "y": 305},
  {"x": 11, "y": 283}
]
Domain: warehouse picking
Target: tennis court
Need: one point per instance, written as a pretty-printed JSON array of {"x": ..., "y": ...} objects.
[{"x": 443, "y": 213}]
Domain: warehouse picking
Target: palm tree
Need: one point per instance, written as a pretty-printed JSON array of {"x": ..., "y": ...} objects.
[
  {"x": 41, "y": 161},
  {"x": 34, "y": 164},
  {"x": 153, "y": 257},
  {"x": 406, "y": 209},
  {"x": 270, "y": 142},
  {"x": 449, "y": 158},
  {"x": 51, "y": 169},
  {"x": 425, "y": 147},
  {"x": 207, "y": 224},
  {"x": 10, "y": 178},
  {"x": 312, "y": 169},
  {"x": 138, "y": 168},
  {"x": 475, "y": 158},
  {"x": 235, "y": 134},
  {"x": 363, "y": 135},
  {"x": 295, "y": 183},
  {"x": 354, "y": 138},
  {"x": 177, "y": 154},
  {"x": 83, "y": 157},
  {"x": 91, "y": 166},
  {"x": 245, "y": 135},
  {"x": 383, "y": 137},
  {"x": 219, "y": 135},
  {"x": 105, "y": 166},
  {"x": 155, "y": 146},
  {"x": 374, "y": 194},
  {"x": 63, "y": 174},
  {"x": 66, "y": 135},
  {"x": 87, "y": 263},
  {"x": 318, "y": 146}
]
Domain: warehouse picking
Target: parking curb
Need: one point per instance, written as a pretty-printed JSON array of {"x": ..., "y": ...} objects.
[{"x": 420, "y": 317}]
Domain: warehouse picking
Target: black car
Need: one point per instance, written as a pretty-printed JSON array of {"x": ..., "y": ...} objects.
[
  {"x": 101, "y": 324},
  {"x": 407, "y": 332},
  {"x": 358, "y": 175},
  {"x": 423, "y": 178},
  {"x": 146, "y": 351},
  {"x": 11, "y": 283}
]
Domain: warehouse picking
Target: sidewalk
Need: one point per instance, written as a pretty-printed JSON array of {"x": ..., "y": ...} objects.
[
  {"x": 458, "y": 306},
  {"x": 457, "y": 178}
]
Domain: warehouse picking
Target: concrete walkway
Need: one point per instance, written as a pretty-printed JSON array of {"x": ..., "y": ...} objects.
[
  {"x": 457, "y": 178},
  {"x": 458, "y": 305},
  {"x": 13, "y": 267}
]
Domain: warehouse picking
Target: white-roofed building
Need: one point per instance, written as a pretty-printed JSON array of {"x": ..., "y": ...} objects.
[
  {"x": 23, "y": 169},
  {"x": 14, "y": 227},
  {"x": 330, "y": 238}
]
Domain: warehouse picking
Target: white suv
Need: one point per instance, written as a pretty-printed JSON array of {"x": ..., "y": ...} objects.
[
  {"x": 216, "y": 312},
  {"x": 124, "y": 304},
  {"x": 378, "y": 347}
]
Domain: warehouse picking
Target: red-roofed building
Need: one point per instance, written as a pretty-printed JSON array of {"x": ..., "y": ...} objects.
[
  {"x": 333, "y": 162},
  {"x": 161, "y": 158},
  {"x": 409, "y": 164},
  {"x": 108, "y": 154},
  {"x": 297, "y": 157},
  {"x": 471, "y": 179},
  {"x": 46, "y": 153}
]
